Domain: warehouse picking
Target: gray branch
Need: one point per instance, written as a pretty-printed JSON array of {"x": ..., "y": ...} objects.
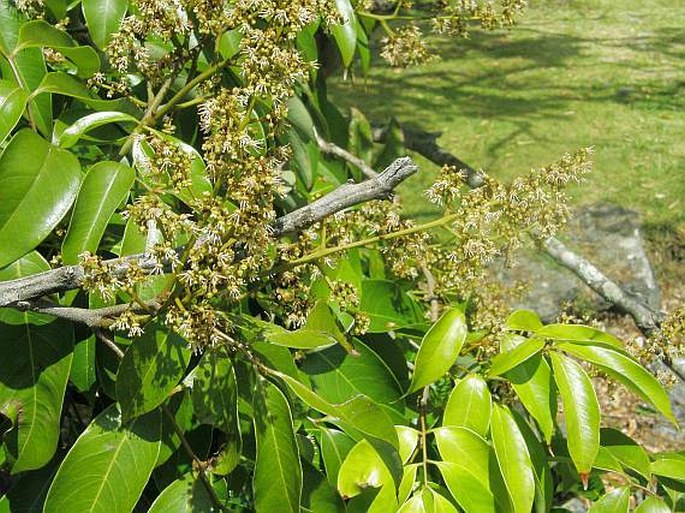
[
  {"x": 381, "y": 186},
  {"x": 71, "y": 277},
  {"x": 646, "y": 319},
  {"x": 342, "y": 153},
  {"x": 93, "y": 318}
]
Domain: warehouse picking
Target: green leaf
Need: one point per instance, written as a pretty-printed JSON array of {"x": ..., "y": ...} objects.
[
  {"x": 103, "y": 18},
  {"x": 73, "y": 133},
  {"x": 35, "y": 193},
  {"x": 669, "y": 467},
  {"x": 363, "y": 468},
  {"x": 82, "y": 374},
  {"x": 544, "y": 482},
  {"x": 533, "y": 383},
  {"x": 336, "y": 375},
  {"x": 389, "y": 308},
  {"x": 616, "y": 501},
  {"x": 34, "y": 370},
  {"x": 628, "y": 452},
  {"x": 524, "y": 320},
  {"x": 306, "y": 156},
  {"x": 152, "y": 366},
  {"x": 108, "y": 466},
  {"x": 299, "y": 117},
  {"x": 409, "y": 439},
  {"x": 469, "y": 405},
  {"x": 104, "y": 187},
  {"x": 427, "y": 501},
  {"x": 299, "y": 339},
  {"x": 359, "y": 413},
  {"x": 472, "y": 494},
  {"x": 318, "y": 496},
  {"x": 10, "y": 20},
  {"x": 439, "y": 349},
  {"x": 12, "y": 105},
  {"x": 335, "y": 445},
  {"x": 653, "y": 504},
  {"x": 345, "y": 34},
  {"x": 626, "y": 370},
  {"x": 215, "y": 401},
  {"x": 31, "y": 263},
  {"x": 507, "y": 360},
  {"x": 513, "y": 459},
  {"x": 187, "y": 495},
  {"x": 40, "y": 34},
  {"x": 277, "y": 481},
  {"x": 579, "y": 334},
  {"x": 581, "y": 411},
  {"x": 62, "y": 83}
]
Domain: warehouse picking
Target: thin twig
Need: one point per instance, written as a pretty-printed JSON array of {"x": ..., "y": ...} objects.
[{"x": 334, "y": 149}]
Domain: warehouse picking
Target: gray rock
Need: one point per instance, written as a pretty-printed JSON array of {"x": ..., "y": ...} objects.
[{"x": 608, "y": 236}]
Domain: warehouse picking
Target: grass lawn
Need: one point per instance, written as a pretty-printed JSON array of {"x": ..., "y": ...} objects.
[{"x": 602, "y": 73}]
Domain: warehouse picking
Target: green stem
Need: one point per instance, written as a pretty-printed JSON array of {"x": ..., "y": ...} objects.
[
  {"x": 191, "y": 85},
  {"x": 324, "y": 252}
]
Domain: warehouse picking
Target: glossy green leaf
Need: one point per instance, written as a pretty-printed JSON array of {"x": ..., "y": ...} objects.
[
  {"x": 472, "y": 494},
  {"x": 673, "y": 468},
  {"x": 534, "y": 385},
  {"x": 73, "y": 133},
  {"x": 187, "y": 495},
  {"x": 579, "y": 334},
  {"x": 39, "y": 33},
  {"x": 58, "y": 82},
  {"x": 439, "y": 349},
  {"x": 413, "y": 505},
  {"x": 616, "y": 501},
  {"x": 653, "y": 504},
  {"x": 407, "y": 483},
  {"x": 513, "y": 459},
  {"x": 626, "y": 370},
  {"x": 10, "y": 20},
  {"x": 469, "y": 405},
  {"x": 335, "y": 446},
  {"x": 464, "y": 447},
  {"x": 299, "y": 117},
  {"x": 83, "y": 374},
  {"x": 363, "y": 468},
  {"x": 34, "y": 370},
  {"x": 104, "y": 187},
  {"x": 345, "y": 34},
  {"x": 12, "y": 105},
  {"x": 337, "y": 376},
  {"x": 409, "y": 439},
  {"x": 359, "y": 414},
  {"x": 108, "y": 466},
  {"x": 427, "y": 501},
  {"x": 215, "y": 401},
  {"x": 35, "y": 193},
  {"x": 581, "y": 411},
  {"x": 318, "y": 496},
  {"x": 299, "y": 339},
  {"x": 31, "y": 263},
  {"x": 152, "y": 366},
  {"x": 628, "y": 452},
  {"x": 103, "y": 18},
  {"x": 524, "y": 320},
  {"x": 507, "y": 360},
  {"x": 544, "y": 482},
  {"x": 277, "y": 481},
  {"x": 388, "y": 306}
]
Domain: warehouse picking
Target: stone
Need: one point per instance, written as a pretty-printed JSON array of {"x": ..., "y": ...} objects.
[{"x": 609, "y": 236}]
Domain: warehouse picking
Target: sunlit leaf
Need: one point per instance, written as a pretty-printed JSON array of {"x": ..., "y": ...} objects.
[
  {"x": 581, "y": 411},
  {"x": 35, "y": 193},
  {"x": 469, "y": 405},
  {"x": 439, "y": 348},
  {"x": 277, "y": 481},
  {"x": 108, "y": 466}
]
